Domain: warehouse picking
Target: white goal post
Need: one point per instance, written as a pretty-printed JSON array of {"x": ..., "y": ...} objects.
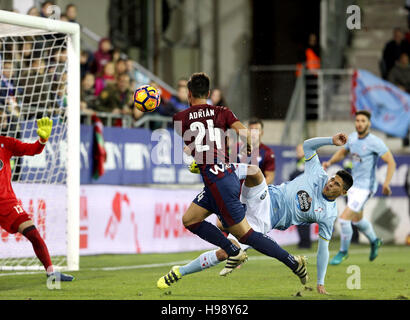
[{"x": 44, "y": 58}]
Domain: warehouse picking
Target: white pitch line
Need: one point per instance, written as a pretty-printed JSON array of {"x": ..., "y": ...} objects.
[{"x": 173, "y": 263}]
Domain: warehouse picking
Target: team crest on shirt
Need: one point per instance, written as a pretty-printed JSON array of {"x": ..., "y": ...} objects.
[
  {"x": 304, "y": 200},
  {"x": 263, "y": 196},
  {"x": 1, "y": 165},
  {"x": 356, "y": 157}
]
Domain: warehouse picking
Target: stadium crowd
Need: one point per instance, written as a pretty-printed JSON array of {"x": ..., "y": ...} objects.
[{"x": 34, "y": 73}]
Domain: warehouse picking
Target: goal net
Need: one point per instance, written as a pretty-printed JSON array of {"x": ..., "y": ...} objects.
[{"x": 39, "y": 76}]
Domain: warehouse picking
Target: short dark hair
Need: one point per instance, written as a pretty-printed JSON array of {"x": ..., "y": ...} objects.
[
  {"x": 364, "y": 113},
  {"x": 256, "y": 121},
  {"x": 346, "y": 177},
  {"x": 199, "y": 84},
  {"x": 70, "y": 5}
]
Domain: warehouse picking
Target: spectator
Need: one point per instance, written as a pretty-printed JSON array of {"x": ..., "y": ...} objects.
[
  {"x": 71, "y": 12},
  {"x": 33, "y": 11},
  {"x": 88, "y": 98},
  {"x": 117, "y": 98},
  {"x": 120, "y": 67},
  {"x": 45, "y": 10},
  {"x": 392, "y": 51},
  {"x": 102, "y": 56},
  {"x": 266, "y": 156},
  {"x": 85, "y": 62},
  {"x": 303, "y": 230},
  {"x": 7, "y": 86},
  {"x": 35, "y": 84},
  {"x": 107, "y": 77},
  {"x": 400, "y": 74},
  {"x": 63, "y": 17},
  {"x": 116, "y": 55},
  {"x": 217, "y": 98},
  {"x": 130, "y": 68},
  {"x": 180, "y": 101}
]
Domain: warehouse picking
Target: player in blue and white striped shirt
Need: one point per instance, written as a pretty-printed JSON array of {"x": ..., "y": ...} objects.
[
  {"x": 366, "y": 149},
  {"x": 309, "y": 198}
]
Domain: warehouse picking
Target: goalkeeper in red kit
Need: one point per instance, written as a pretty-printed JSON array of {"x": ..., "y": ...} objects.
[{"x": 13, "y": 218}]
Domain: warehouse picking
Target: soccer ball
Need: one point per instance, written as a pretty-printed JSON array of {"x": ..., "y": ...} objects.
[{"x": 146, "y": 98}]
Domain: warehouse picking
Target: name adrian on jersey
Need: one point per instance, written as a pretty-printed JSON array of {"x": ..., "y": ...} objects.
[
  {"x": 201, "y": 114},
  {"x": 304, "y": 200}
]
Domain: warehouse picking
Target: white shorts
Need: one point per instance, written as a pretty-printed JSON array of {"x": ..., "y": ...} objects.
[
  {"x": 257, "y": 201},
  {"x": 357, "y": 198}
]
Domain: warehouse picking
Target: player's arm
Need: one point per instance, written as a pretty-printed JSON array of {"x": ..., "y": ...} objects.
[
  {"x": 310, "y": 146},
  {"x": 391, "y": 167},
  {"x": 243, "y": 133},
  {"x": 338, "y": 156},
  {"x": 270, "y": 165},
  {"x": 269, "y": 176},
  {"x": 19, "y": 148},
  {"x": 322, "y": 261}
]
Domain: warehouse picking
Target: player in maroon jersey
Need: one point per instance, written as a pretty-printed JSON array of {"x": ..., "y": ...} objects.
[
  {"x": 203, "y": 128},
  {"x": 266, "y": 156},
  {"x": 13, "y": 218}
]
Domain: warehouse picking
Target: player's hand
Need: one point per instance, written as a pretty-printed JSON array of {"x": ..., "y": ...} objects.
[
  {"x": 339, "y": 139},
  {"x": 193, "y": 167},
  {"x": 45, "y": 125},
  {"x": 326, "y": 165},
  {"x": 321, "y": 289},
  {"x": 386, "y": 190}
]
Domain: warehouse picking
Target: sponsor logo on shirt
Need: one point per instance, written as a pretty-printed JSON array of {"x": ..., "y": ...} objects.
[
  {"x": 304, "y": 200},
  {"x": 356, "y": 157}
]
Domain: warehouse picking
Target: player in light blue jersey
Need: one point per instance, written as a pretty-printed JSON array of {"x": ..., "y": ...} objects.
[
  {"x": 309, "y": 198},
  {"x": 366, "y": 149}
]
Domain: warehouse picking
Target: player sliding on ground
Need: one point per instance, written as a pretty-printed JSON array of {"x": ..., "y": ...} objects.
[
  {"x": 13, "y": 218},
  {"x": 203, "y": 128},
  {"x": 309, "y": 198}
]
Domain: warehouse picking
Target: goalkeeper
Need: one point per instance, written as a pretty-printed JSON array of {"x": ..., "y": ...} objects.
[{"x": 13, "y": 218}]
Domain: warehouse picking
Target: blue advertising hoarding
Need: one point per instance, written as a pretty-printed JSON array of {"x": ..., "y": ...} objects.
[{"x": 141, "y": 156}]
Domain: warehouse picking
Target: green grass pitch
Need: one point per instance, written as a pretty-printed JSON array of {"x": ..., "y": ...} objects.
[{"x": 134, "y": 277}]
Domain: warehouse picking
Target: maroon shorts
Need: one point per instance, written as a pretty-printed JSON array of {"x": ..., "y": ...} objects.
[{"x": 11, "y": 216}]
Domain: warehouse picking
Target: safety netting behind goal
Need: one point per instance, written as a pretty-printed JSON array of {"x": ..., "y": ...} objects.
[{"x": 33, "y": 70}]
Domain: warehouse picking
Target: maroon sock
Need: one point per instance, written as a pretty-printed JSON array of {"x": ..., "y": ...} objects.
[{"x": 39, "y": 246}]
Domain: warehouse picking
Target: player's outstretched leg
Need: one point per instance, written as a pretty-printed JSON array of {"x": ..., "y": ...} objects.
[
  {"x": 346, "y": 234},
  {"x": 170, "y": 278},
  {"x": 204, "y": 261},
  {"x": 269, "y": 247},
  {"x": 41, "y": 251},
  {"x": 301, "y": 270}
]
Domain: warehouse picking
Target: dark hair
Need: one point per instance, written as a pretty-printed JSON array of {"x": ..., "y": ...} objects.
[
  {"x": 46, "y": 3},
  {"x": 256, "y": 121},
  {"x": 70, "y": 5},
  {"x": 364, "y": 113},
  {"x": 198, "y": 85},
  {"x": 346, "y": 177}
]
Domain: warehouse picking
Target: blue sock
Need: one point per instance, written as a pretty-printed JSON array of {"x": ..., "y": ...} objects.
[
  {"x": 208, "y": 232},
  {"x": 269, "y": 247},
  {"x": 366, "y": 227},
  {"x": 346, "y": 234},
  {"x": 204, "y": 261}
]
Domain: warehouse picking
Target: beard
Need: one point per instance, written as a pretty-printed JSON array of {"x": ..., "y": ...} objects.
[{"x": 362, "y": 131}]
